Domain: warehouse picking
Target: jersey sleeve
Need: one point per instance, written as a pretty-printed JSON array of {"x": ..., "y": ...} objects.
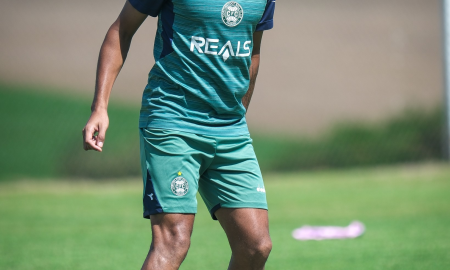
[
  {"x": 266, "y": 22},
  {"x": 149, "y": 7}
]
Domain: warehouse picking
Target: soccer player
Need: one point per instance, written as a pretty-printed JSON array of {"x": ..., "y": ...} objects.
[{"x": 193, "y": 131}]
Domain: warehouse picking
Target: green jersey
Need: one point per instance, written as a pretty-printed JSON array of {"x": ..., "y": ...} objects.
[{"x": 202, "y": 56}]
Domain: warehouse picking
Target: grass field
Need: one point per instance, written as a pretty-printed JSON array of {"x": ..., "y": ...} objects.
[{"x": 97, "y": 225}]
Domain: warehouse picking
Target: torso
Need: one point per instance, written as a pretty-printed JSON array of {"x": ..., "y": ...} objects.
[{"x": 203, "y": 54}]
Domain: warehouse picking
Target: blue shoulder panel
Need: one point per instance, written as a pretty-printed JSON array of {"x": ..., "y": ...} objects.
[
  {"x": 167, "y": 17},
  {"x": 149, "y": 7},
  {"x": 266, "y": 22}
]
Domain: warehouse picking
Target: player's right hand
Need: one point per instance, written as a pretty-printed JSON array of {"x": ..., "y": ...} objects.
[{"x": 95, "y": 130}]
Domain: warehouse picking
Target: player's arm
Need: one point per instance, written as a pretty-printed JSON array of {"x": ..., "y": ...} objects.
[
  {"x": 254, "y": 67},
  {"x": 113, "y": 53}
]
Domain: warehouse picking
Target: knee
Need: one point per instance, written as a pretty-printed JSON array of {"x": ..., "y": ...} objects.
[
  {"x": 179, "y": 242},
  {"x": 256, "y": 250},
  {"x": 173, "y": 243},
  {"x": 262, "y": 249}
]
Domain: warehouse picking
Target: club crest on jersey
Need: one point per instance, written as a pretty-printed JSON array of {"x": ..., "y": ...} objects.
[
  {"x": 232, "y": 14},
  {"x": 179, "y": 186}
]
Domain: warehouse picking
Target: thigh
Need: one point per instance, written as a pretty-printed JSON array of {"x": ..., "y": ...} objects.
[
  {"x": 245, "y": 227},
  {"x": 167, "y": 226},
  {"x": 233, "y": 179},
  {"x": 171, "y": 163}
]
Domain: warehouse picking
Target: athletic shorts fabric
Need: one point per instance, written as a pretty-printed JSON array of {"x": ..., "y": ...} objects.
[{"x": 175, "y": 165}]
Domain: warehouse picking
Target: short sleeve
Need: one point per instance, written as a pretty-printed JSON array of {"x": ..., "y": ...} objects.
[
  {"x": 149, "y": 7},
  {"x": 266, "y": 22}
]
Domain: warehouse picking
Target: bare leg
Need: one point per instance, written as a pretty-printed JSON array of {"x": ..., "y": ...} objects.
[
  {"x": 171, "y": 237},
  {"x": 247, "y": 230}
]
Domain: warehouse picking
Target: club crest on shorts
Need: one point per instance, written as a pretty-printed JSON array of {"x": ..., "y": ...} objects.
[
  {"x": 179, "y": 186},
  {"x": 232, "y": 14}
]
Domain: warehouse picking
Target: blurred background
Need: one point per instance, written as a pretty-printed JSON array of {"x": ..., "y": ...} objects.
[
  {"x": 341, "y": 83},
  {"x": 347, "y": 120}
]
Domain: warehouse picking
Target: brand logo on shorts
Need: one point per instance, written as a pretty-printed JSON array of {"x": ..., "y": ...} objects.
[
  {"x": 262, "y": 190},
  {"x": 179, "y": 186},
  {"x": 232, "y": 14}
]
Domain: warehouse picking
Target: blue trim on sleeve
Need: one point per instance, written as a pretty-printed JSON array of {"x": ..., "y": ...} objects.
[
  {"x": 167, "y": 18},
  {"x": 266, "y": 22},
  {"x": 267, "y": 25},
  {"x": 149, "y": 7}
]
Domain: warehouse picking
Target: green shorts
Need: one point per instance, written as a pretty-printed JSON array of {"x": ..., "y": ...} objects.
[{"x": 175, "y": 165}]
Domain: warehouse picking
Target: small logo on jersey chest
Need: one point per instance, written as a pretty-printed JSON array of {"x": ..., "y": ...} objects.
[
  {"x": 232, "y": 14},
  {"x": 179, "y": 186}
]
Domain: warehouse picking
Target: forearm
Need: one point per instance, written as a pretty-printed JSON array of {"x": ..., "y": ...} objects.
[
  {"x": 112, "y": 56},
  {"x": 254, "y": 67}
]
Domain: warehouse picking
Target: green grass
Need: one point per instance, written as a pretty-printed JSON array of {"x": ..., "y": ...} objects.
[{"x": 98, "y": 225}]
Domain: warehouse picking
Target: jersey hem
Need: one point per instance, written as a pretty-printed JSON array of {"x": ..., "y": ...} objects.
[{"x": 225, "y": 131}]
